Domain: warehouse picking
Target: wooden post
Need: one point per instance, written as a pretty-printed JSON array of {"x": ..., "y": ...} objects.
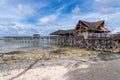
[{"x": 49, "y": 40}]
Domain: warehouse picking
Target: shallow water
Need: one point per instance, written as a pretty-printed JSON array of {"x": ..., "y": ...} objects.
[{"x": 6, "y": 47}]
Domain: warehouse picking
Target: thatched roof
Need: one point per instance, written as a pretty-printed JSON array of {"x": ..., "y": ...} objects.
[
  {"x": 97, "y": 26},
  {"x": 63, "y": 32}
]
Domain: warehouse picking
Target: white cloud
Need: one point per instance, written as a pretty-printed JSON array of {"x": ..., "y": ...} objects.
[
  {"x": 48, "y": 20},
  {"x": 16, "y": 29},
  {"x": 9, "y": 13},
  {"x": 20, "y": 7},
  {"x": 108, "y": 2},
  {"x": 13, "y": 12},
  {"x": 107, "y": 6},
  {"x": 108, "y": 10},
  {"x": 76, "y": 10},
  {"x": 27, "y": 11}
]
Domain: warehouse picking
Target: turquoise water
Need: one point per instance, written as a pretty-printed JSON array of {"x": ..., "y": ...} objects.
[{"x": 6, "y": 47}]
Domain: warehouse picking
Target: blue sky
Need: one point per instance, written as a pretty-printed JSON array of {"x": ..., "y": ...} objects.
[{"x": 26, "y": 17}]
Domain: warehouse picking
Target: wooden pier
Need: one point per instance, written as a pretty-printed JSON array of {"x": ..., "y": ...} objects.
[
  {"x": 87, "y": 35},
  {"x": 36, "y": 40},
  {"x": 23, "y": 39}
]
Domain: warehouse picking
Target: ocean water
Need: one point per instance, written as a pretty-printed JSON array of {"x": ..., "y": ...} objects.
[{"x": 6, "y": 47}]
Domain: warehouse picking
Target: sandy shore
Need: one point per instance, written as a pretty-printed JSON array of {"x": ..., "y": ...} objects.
[{"x": 70, "y": 70}]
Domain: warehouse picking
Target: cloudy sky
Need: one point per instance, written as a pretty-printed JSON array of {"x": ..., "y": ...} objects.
[{"x": 26, "y": 17}]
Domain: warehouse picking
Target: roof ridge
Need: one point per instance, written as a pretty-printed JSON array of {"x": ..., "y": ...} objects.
[{"x": 92, "y": 24}]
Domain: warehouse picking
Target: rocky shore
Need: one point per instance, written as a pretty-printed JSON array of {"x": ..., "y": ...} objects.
[
  {"x": 13, "y": 62},
  {"x": 23, "y": 62}
]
